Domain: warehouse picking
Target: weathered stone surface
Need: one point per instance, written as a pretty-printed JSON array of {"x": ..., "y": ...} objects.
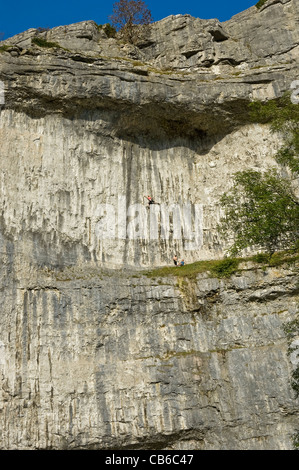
[
  {"x": 92, "y": 357},
  {"x": 122, "y": 127},
  {"x": 94, "y": 361}
]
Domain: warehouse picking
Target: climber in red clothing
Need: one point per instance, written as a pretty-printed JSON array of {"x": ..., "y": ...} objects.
[{"x": 150, "y": 201}]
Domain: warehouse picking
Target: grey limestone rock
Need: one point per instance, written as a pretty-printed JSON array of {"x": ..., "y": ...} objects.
[
  {"x": 93, "y": 353},
  {"x": 168, "y": 117},
  {"x": 96, "y": 359}
]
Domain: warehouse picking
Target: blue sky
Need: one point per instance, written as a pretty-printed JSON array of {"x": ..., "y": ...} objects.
[{"x": 20, "y": 15}]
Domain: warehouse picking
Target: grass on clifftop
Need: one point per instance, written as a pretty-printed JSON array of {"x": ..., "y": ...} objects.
[
  {"x": 43, "y": 43},
  {"x": 4, "y": 48},
  {"x": 226, "y": 267},
  {"x": 260, "y": 3},
  {"x": 221, "y": 268}
]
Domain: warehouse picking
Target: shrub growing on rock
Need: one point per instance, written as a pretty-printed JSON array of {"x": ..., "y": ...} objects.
[{"x": 261, "y": 210}]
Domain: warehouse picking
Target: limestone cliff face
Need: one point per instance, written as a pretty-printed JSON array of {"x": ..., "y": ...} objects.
[
  {"x": 103, "y": 359},
  {"x": 97, "y": 122}
]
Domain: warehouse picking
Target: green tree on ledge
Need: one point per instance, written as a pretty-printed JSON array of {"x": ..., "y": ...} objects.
[
  {"x": 261, "y": 210},
  {"x": 131, "y": 17}
]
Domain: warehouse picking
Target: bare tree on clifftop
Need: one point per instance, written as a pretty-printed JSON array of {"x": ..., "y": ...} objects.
[{"x": 131, "y": 18}]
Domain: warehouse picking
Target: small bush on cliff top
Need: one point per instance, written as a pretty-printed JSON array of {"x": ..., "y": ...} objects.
[
  {"x": 43, "y": 43},
  {"x": 4, "y": 48},
  {"x": 260, "y": 3},
  {"x": 109, "y": 30}
]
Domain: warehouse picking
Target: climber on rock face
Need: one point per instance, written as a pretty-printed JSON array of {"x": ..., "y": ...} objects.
[{"x": 150, "y": 200}]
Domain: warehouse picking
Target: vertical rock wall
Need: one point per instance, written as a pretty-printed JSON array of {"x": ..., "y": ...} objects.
[
  {"x": 94, "y": 360},
  {"x": 93, "y": 355},
  {"x": 57, "y": 174}
]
